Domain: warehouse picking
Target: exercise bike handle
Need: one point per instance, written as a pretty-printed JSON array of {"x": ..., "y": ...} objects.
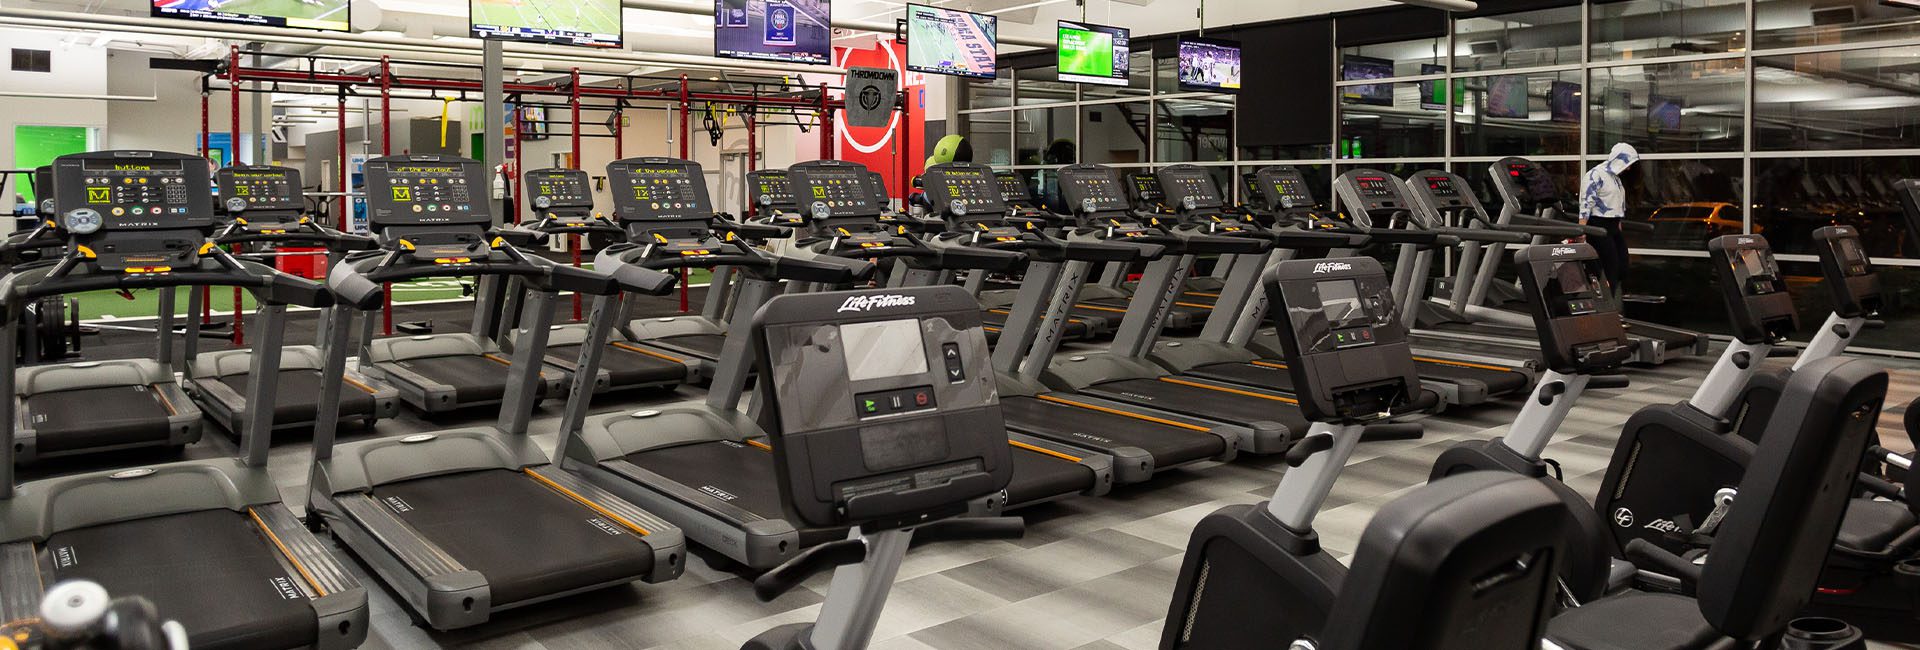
[
  {"x": 970, "y": 528},
  {"x": 791, "y": 573}
]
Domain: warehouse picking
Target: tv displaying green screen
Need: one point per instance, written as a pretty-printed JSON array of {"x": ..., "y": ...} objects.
[{"x": 1093, "y": 54}]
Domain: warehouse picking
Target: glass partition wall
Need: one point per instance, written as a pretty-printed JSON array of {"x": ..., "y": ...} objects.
[{"x": 1753, "y": 116}]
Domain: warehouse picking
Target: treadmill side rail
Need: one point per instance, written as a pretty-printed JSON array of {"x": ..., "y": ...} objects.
[
  {"x": 20, "y": 581},
  {"x": 339, "y": 601},
  {"x": 667, "y": 541},
  {"x": 432, "y": 582}
]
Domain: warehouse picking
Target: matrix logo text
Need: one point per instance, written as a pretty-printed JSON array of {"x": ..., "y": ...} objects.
[
  {"x": 1329, "y": 267},
  {"x": 869, "y": 303}
]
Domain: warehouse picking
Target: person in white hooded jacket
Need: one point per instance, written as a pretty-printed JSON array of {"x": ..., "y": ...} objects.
[{"x": 1603, "y": 204}]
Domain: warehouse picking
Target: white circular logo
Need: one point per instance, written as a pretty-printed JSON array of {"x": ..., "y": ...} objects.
[
  {"x": 84, "y": 221},
  {"x": 236, "y": 204},
  {"x": 1623, "y": 518},
  {"x": 821, "y": 211},
  {"x": 542, "y": 202}
]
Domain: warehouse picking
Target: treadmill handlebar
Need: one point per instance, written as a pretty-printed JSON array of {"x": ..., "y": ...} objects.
[
  {"x": 1551, "y": 227},
  {"x": 1420, "y": 238},
  {"x": 1233, "y": 244},
  {"x": 1483, "y": 235},
  {"x": 304, "y": 231},
  {"x": 749, "y": 230},
  {"x": 1324, "y": 240},
  {"x": 264, "y": 282}
]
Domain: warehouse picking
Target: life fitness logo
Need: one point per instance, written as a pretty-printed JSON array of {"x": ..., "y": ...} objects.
[
  {"x": 869, "y": 139},
  {"x": 872, "y": 302},
  {"x": 1330, "y": 267}
]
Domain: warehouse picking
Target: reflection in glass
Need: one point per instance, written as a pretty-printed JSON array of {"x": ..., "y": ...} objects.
[
  {"x": 1689, "y": 202},
  {"x": 1286, "y": 152},
  {"x": 1565, "y": 175},
  {"x": 1400, "y": 130},
  {"x": 1517, "y": 40},
  {"x": 991, "y": 135},
  {"x": 1140, "y": 77},
  {"x": 989, "y": 93},
  {"x": 1799, "y": 23},
  {"x": 1042, "y": 86},
  {"x": 1859, "y": 99},
  {"x": 1398, "y": 59},
  {"x": 1044, "y": 136},
  {"x": 1644, "y": 29},
  {"x": 1114, "y": 133},
  {"x": 1519, "y": 115},
  {"x": 1686, "y": 107},
  {"x": 1793, "y": 196},
  {"x": 1194, "y": 130}
]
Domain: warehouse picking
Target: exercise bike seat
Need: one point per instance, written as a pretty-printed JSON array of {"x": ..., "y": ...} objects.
[
  {"x": 1871, "y": 525},
  {"x": 1658, "y": 620}
]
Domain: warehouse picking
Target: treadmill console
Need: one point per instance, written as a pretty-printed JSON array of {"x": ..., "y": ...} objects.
[
  {"x": 1519, "y": 179},
  {"x": 658, "y": 189},
  {"x": 1143, "y": 191},
  {"x": 1446, "y": 189},
  {"x": 878, "y": 183},
  {"x": 772, "y": 191},
  {"x": 1373, "y": 190},
  {"x": 559, "y": 189},
  {"x": 1758, "y": 304},
  {"x": 43, "y": 190},
  {"x": 1093, "y": 189},
  {"x": 1850, "y": 276},
  {"x": 1188, "y": 188},
  {"x": 423, "y": 190},
  {"x": 258, "y": 189},
  {"x": 1014, "y": 189},
  {"x": 1569, "y": 296},
  {"x": 1285, "y": 188},
  {"x": 1250, "y": 183},
  {"x": 831, "y": 190},
  {"x": 964, "y": 192},
  {"x": 1344, "y": 346},
  {"x": 881, "y": 405},
  {"x": 136, "y": 211}
]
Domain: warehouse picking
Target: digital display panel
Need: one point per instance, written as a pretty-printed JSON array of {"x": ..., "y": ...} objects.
[
  {"x": 561, "y": 187},
  {"x": 1339, "y": 301},
  {"x": 972, "y": 188},
  {"x": 1195, "y": 184},
  {"x": 1374, "y": 187},
  {"x": 1571, "y": 279},
  {"x": 593, "y": 23},
  {"x": 828, "y": 192},
  {"x": 1012, "y": 187},
  {"x": 1754, "y": 262},
  {"x": 1146, "y": 187},
  {"x": 263, "y": 188},
  {"x": 1093, "y": 190},
  {"x": 1357, "y": 68},
  {"x": 1663, "y": 113},
  {"x": 1563, "y": 101},
  {"x": 877, "y": 182},
  {"x": 771, "y": 188},
  {"x": 877, "y": 350},
  {"x": 1291, "y": 191},
  {"x": 143, "y": 194},
  {"x": 1433, "y": 92},
  {"x": 426, "y": 192},
  {"x": 1441, "y": 187},
  {"x": 658, "y": 190},
  {"x": 950, "y": 41},
  {"x": 328, "y": 15},
  {"x": 794, "y": 31},
  {"x": 1207, "y": 64},
  {"x": 1507, "y": 97},
  {"x": 1093, "y": 54}
]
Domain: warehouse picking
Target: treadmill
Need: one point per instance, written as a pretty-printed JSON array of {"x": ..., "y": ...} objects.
[
  {"x": 1140, "y": 441},
  {"x": 564, "y": 199},
  {"x": 705, "y": 464},
  {"x": 1525, "y": 186},
  {"x": 1439, "y": 197},
  {"x": 1123, "y": 374},
  {"x": 209, "y": 542},
  {"x": 263, "y": 205},
  {"x": 465, "y": 522},
  {"x": 701, "y": 336}
]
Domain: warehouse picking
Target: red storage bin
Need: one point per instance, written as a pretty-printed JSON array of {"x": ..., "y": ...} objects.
[{"x": 303, "y": 261}]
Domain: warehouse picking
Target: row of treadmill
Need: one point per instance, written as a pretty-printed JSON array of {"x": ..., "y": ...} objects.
[{"x": 839, "y": 428}]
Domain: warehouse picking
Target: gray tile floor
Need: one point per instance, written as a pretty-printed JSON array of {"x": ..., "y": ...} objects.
[{"x": 1090, "y": 573}]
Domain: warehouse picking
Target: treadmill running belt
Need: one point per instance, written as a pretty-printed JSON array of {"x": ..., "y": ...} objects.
[
  {"x": 1039, "y": 476},
  {"x": 995, "y": 321},
  {"x": 474, "y": 378},
  {"x": 1169, "y": 445},
  {"x": 1499, "y": 382},
  {"x": 211, "y": 570},
  {"x": 98, "y": 417},
  {"x": 705, "y": 346},
  {"x": 1206, "y": 402},
  {"x": 526, "y": 538},
  {"x": 1676, "y": 340},
  {"x": 739, "y": 475},
  {"x": 1265, "y": 374},
  {"x": 298, "y": 397},
  {"x": 626, "y": 367}
]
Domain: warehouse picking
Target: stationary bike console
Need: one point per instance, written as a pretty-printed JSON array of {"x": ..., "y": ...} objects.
[
  {"x": 1568, "y": 295},
  {"x": 1346, "y": 349},
  {"x": 1755, "y": 291},
  {"x": 1850, "y": 278}
]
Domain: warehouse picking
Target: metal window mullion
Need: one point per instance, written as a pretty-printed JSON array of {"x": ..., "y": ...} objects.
[{"x": 1748, "y": 123}]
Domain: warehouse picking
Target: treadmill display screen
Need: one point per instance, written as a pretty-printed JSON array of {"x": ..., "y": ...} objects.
[
  {"x": 878, "y": 183},
  {"x": 1092, "y": 189},
  {"x": 565, "y": 188},
  {"x": 1012, "y": 187},
  {"x": 1192, "y": 184},
  {"x": 1374, "y": 187},
  {"x": 433, "y": 191},
  {"x": 263, "y": 188},
  {"x": 1291, "y": 191},
  {"x": 1146, "y": 187},
  {"x": 144, "y": 194},
  {"x": 834, "y": 191},
  {"x": 1534, "y": 183},
  {"x": 772, "y": 188},
  {"x": 969, "y": 187},
  {"x": 1442, "y": 187},
  {"x": 881, "y": 349},
  {"x": 659, "y": 189}
]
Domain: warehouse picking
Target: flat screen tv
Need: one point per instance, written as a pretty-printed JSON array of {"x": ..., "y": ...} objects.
[
  {"x": 593, "y": 23},
  {"x": 794, "y": 31},
  {"x": 1209, "y": 64},
  {"x": 1563, "y": 101},
  {"x": 1093, "y": 54},
  {"x": 1433, "y": 92},
  {"x": 1358, "y": 68},
  {"x": 1507, "y": 97},
  {"x": 952, "y": 42},
  {"x": 1663, "y": 113},
  {"x": 329, "y": 15}
]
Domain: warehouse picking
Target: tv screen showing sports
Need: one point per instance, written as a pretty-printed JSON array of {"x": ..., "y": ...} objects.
[
  {"x": 1507, "y": 97},
  {"x": 1093, "y": 54},
  {"x": 330, "y": 15},
  {"x": 1357, "y": 68},
  {"x": 1208, "y": 64},
  {"x": 593, "y": 23},
  {"x": 1433, "y": 92},
  {"x": 1663, "y": 113},
  {"x": 1563, "y": 101},
  {"x": 793, "y": 31},
  {"x": 949, "y": 41}
]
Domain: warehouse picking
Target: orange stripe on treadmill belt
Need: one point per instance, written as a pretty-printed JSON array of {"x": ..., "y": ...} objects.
[
  {"x": 1461, "y": 364},
  {"x": 355, "y": 384},
  {"x": 1268, "y": 364},
  {"x": 1203, "y": 294},
  {"x": 585, "y": 502},
  {"x": 1043, "y": 450},
  {"x": 1114, "y": 411},
  {"x": 761, "y": 445},
  {"x": 496, "y": 359},
  {"x": 1009, "y": 313},
  {"x": 1100, "y": 308},
  {"x": 1194, "y": 305},
  {"x": 641, "y": 350},
  {"x": 297, "y": 566},
  {"x": 164, "y": 403},
  {"x": 1224, "y": 389}
]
